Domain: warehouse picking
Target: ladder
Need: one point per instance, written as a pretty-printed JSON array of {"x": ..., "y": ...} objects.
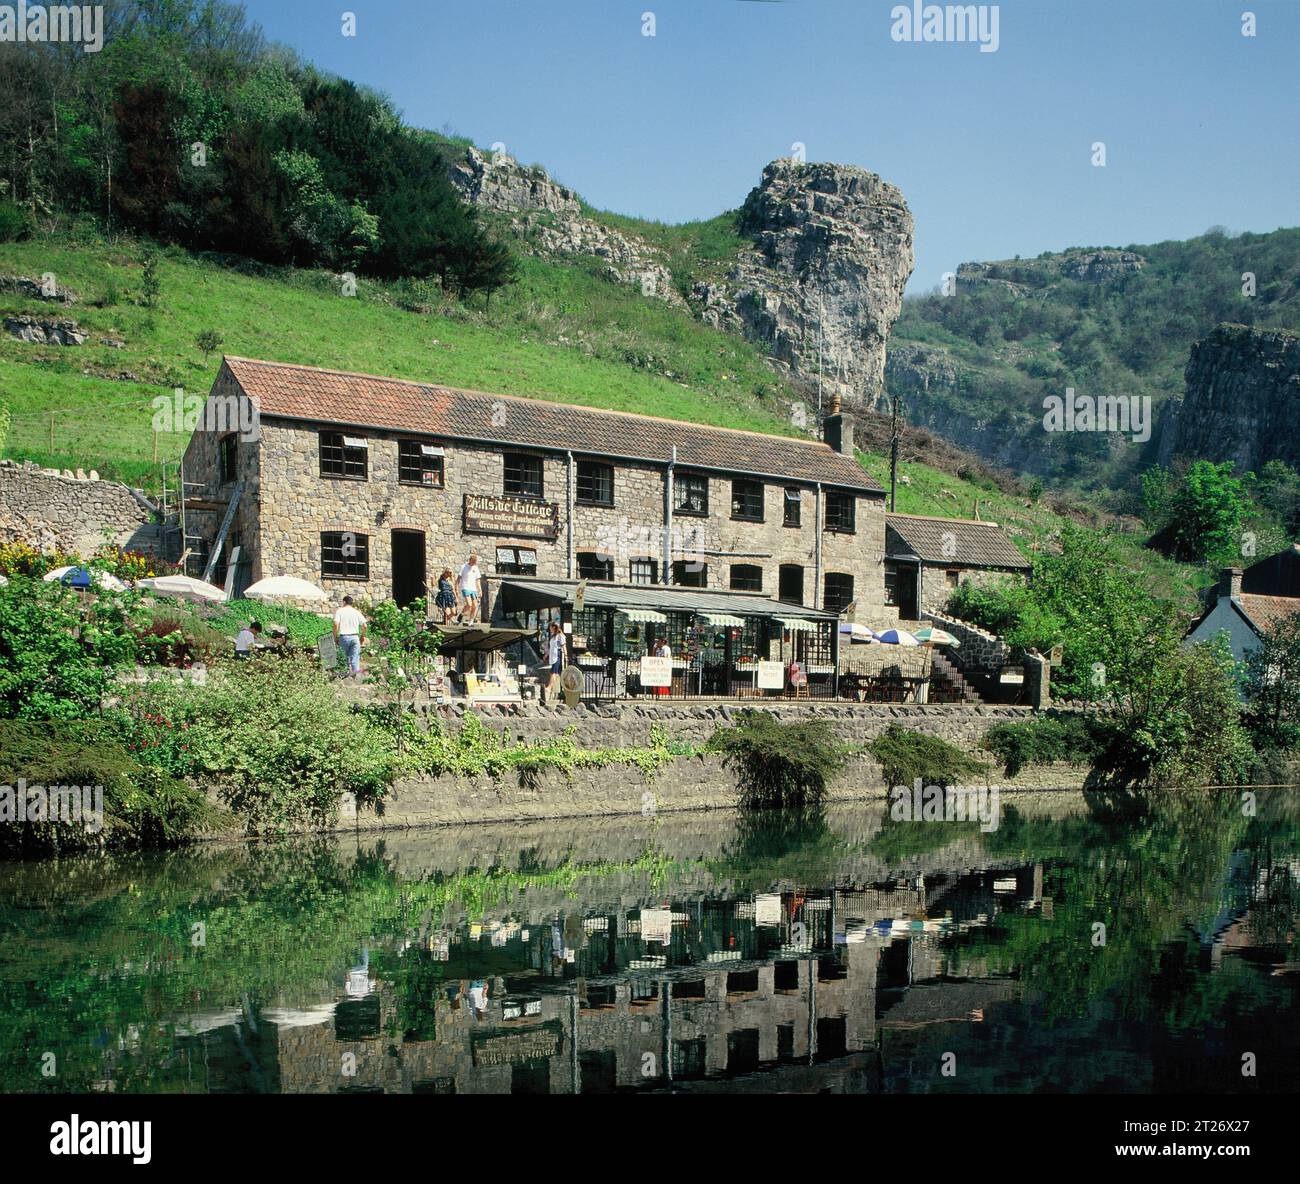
[{"x": 217, "y": 547}]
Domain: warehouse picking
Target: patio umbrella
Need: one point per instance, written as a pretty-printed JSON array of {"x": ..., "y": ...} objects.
[
  {"x": 897, "y": 637},
  {"x": 856, "y": 632},
  {"x": 183, "y": 588},
  {"x": 932, "y": 636},
  {"x": 104, "y": 579},
  {"x": 286, "y": 589}
]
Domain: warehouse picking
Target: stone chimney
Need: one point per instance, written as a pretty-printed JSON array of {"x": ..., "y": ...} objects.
[
  {"x": 837, "y": 428},
  {"x": 1230, "y": 582}
]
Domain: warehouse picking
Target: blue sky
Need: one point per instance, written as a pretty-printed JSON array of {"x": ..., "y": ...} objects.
[{"x": 993, "y": 150}]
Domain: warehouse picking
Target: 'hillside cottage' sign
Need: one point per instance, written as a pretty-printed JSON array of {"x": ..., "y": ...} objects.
[{"x": 516, "y": 517}]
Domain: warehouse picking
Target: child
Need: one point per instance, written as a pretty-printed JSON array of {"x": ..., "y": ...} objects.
[{"x": 446, "y": 598}]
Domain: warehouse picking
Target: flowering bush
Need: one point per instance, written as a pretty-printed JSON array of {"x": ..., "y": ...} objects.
[
  {"x": 132, "y": 565},
  {"x": 18, "y": 558}
]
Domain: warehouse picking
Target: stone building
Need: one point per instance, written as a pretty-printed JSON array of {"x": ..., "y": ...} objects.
[
  {"x": 927, "y": 559},
  {"x": 372, "y": 486}
]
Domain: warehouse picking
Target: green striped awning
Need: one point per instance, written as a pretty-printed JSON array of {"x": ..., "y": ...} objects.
[
  {"x": 795, "y": 624},
  {"x": 723, "y": 620},
  {"x": 643, "y": 616}
]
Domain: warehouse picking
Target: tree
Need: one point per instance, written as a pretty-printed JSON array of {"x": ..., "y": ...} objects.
[
  {"x": 209, "y": 341},
  {"x": 1272, "y": 685}
]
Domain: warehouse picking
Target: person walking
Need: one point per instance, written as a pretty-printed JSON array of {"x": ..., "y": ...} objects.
[
  {"x": 446, "y": 598},
  {"x": 471, "y": 581},
  {"x": 555, "y": 657},
  {"x": 349, "y": 633}
]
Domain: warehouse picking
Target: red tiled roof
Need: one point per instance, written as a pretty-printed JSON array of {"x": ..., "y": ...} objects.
[
  {"x": 284, "y": 391},
  {"x": 1266, "y": 611}
]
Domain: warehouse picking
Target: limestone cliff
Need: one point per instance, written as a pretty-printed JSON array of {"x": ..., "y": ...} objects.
[
  {"x": 818, "y": 282},
  {"x": 1242, "y": 401},
  {"x": 823, "y": 284}
]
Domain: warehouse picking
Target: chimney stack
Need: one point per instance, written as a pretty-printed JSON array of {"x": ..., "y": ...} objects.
[
  {"x": 1230, "y": 582},
  {"x": 837, "y": 428}
]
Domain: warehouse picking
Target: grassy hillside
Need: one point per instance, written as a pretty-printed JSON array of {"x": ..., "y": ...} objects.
[{"x": 562, "y": 331}]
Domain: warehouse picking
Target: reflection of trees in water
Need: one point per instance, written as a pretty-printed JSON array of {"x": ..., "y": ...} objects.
[
  {"x": 1157, "y": 880},
  {"x": 775, "y": 844}
]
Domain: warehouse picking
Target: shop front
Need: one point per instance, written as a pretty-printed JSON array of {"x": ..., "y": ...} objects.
[{"x": 652, "y": 641}]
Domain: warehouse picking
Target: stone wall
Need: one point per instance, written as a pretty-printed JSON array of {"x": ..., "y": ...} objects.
[
  {"x": 979, "y": 649},
  {"x": 628, "y": 724},
  {"x": 70, "y": 513}
]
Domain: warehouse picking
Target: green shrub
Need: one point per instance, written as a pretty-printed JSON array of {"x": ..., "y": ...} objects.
[
  {"x": 905, "y": 755},
  {"x": 779, "y": 764},
  {"x": 278, "y": 745},
  {"x": 59, "y": 653},
  {"x": 15, "y": 222},
  {"x": 143, "y": 805},
  {"x": 1044, "y": 739}
]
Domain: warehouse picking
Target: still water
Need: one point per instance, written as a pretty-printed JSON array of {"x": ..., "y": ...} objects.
[{"x": 1075, "y": 948}]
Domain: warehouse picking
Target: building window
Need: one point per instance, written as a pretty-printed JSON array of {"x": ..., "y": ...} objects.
[
  {"x": 229, "y": 457},
  {"x": 793, "y": 507},
  {"x": 790, "y": 583},
  {"x": 523, "y": 474},
  {"x": 344, "y": 555},
  {"x": 952, "y": 579},
  {"x": 839, "y": 511},
  {"x": 746, "y": 577},
  {"x": 747, "y": 500},
  {"x": 516, "y": 561},
  {"x": 419, "y": 464},
  {"x": 643, "y": 571},
  {"x": 592, "y": 565},
  {"x": 344, "y": 457},
  {"x": 691, "y": 494},
  {"x": 595, "y": 483},
  {"x": 837, "y": 591},
  {"x": 689, "y": 573}
]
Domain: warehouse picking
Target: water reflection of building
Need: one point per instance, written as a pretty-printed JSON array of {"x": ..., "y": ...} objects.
[{"x": 785, "y": 991}]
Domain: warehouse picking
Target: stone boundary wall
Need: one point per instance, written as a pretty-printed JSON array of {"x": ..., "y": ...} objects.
[
  {"x": 70, "y": 513},
  {"x": 688, "y": 783},
  {"x": 628, "y": 724}
]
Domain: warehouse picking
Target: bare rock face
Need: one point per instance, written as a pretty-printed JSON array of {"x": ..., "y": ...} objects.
[
  {"x": 824, "y": 282},
  {"x": 496, "y": 182},
  {"x": 1242, "y": 401},
  {"x": 550, "y": 221},
  {"x": 30, "y": 289},
  {"x": 45, "y": 332},
  {"x": 1019, "y": 276}
]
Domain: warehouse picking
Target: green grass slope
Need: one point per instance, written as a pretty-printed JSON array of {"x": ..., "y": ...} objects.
[{"x": 561, "y": 332}]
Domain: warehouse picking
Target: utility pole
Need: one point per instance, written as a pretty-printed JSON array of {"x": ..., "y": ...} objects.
[{"x": 895, "y": 431}]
